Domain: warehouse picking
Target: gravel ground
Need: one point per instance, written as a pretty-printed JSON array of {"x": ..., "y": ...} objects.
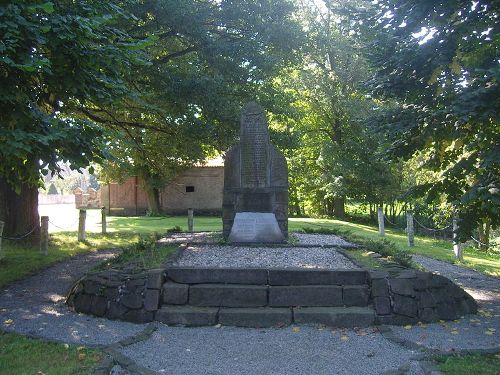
[
  {"x": 35, "y": 306},
  {"x": 197, "y": 237},
  {"x": 237, "y": 351},
  {"x": 321, "y": 239},
  {"x": 268, "y": 257}
]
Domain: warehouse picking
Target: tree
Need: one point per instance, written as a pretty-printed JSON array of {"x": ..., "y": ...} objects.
[
  {"x": 55, "y": 57},
  {"x": 438, "y": 67},
  {"x": 209, "y": 58},
  {"x": 339, "y": 156}
]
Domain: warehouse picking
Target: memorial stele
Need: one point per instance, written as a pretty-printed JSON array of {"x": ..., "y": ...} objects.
[{"x": 255, "y": 198}]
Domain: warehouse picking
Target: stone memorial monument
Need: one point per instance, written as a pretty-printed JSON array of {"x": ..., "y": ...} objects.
[{"x": 255, "y": 199}]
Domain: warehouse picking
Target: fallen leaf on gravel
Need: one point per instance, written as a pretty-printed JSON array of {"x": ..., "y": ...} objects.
[
  {"x": 361, "y": 333},
  {"x": 491, "y": 329},
  {"x": 491, "y": 333},
  {"x": 8, "y": 322},
  {"x": 344, "y": 338},
  {"x": 454, "y": 332},
  {"x": 407, "y": 327},
  {"x": 218, "y": 325},
  {"x": 371, "y": 354},
  {"x": 474, "y": 320},
  {"x": 295, "y": 329}
]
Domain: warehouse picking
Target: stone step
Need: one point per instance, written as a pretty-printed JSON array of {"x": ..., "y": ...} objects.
[
  {"x": 260, "y": 276},
  {"x": 345, "y": 317},
  {"x": 262, "y": 317},
  {"x": 249, "y": 295}
]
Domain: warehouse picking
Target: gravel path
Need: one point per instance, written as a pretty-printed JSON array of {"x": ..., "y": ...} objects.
[
  {"x": 321, "y": 239},
  {"x": 268, "y": 257},
  {"x": 287, "y": 351},
  {"x": 36, "y": 306}
]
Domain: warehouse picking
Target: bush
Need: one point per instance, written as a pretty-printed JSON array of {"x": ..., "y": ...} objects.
[{"x": 388, "y": 249}]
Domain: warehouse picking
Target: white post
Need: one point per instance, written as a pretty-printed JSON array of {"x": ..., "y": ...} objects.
[
  {"x": 380, "y": 215},
  {"x": 190, "y": 220},
  {"x": 2, "y": 224},
  {"x": 410, "y": 229},
  {"x": 457, "y": 246},
  {"x": 81, "y": 225},
  {"x": 44, "y": 235},
  {"x": 103, "y": 219}
]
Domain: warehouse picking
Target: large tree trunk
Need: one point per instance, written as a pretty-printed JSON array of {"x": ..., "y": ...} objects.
[
  {"x": 153, "y": 195},
  {"x": 19, "y": 211},
  {"x": 484, "y": 235},
  {"x": 339, "y": 208}
]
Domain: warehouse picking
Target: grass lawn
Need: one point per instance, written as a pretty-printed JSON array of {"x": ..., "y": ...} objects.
[
  {"x": 486, "y": 364},
  {"x": 20, "y": 355}
]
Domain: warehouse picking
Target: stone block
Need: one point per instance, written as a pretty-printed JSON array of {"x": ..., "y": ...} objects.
[
  {"x": 138, "y": 316},
  {"x": 448, "y": 311},
  {"x": 111, "y": 293},
  {"x": 428, "y": 315},
  {"x": 345, "y": 317},
  {"x": 151, "y": 299},
  {"x": 98, "y": 306},
  {"x": 135, "y": 282},
  {"x": 380, "y": 288},
  {"x": 382, "y": 305},
  {"x": 355, "y": 295},
  {"x": 83, "y": 303},
  {"x": 154, "y": 279},
  {"x": 300, "y": 276},
  {"x": 404, "y": 305},
  {"x": 228, "y": 295},
  {"x": 91, "y": 286},
  {"x": 175, "y": 294},
  {"x": 259, "y": 317},
  {"x": 187, "y": 315},
  {"x": 131, "y": 300},
  {"x": 426, "y": 299},
  {"x": 116, "y": 310},
  {"x": 402, "y": 286},
  {"x": 305, "y": 295},
  {"x": 199, "y": 275}
]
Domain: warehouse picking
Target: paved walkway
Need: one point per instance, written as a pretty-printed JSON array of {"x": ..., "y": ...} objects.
[{"x": 34, "y": 307}]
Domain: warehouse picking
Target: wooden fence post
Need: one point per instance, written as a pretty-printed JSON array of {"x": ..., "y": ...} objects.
[
  {"x": 2, "y": 224},
  {"x": 103, "y": 219},
  {"x": 457, "y": 246},
  {"x": 190, "y": 220},
  {"x": 380, "y": 216},
  {"x": 410, "y": 230},
  {"x": 81, "y": 225},
  {"x": 44, "y": 235}
]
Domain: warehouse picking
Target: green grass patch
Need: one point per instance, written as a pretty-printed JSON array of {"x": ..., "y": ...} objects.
[
  {"x": 485, "y": 364},
  {"x": 142, "y": 255},
  {"x": 20, "y": 355},
  {"x": 22, "y": 260},
  {"x": 144, "y": 224},
  {"x": 488, "y": 263}
]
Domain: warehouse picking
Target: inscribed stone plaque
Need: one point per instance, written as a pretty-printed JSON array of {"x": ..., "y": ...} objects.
[{"x": 255, "y": 227}]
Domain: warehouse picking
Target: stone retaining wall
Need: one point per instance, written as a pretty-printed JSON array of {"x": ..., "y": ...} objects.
[
  {"x": 413, "y": 296},
  {"x": 270, "y": 297}
]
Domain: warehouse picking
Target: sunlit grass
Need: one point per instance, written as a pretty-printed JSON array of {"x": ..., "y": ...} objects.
[{"x": 22, "y": 355}]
